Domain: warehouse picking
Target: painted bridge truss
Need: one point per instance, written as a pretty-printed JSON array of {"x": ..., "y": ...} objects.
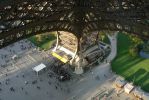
[{"x": 20, "y": 19}]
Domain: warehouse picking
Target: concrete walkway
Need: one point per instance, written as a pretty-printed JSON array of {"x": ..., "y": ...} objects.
[{"x": 113, "y": 41}]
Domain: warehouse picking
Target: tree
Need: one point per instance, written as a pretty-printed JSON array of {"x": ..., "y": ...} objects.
[
  {"x": 133, "y": 51},
  {"x": 135, "y": 40},
  {"x": 136, "y": 43},
  {"x": 146, "y": 47},
  {"x": 38, "y": 38},
  {"x": 102, "y": 35}
]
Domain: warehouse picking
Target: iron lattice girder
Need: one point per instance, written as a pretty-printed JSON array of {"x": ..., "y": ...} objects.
[{"x": 23, "y": 18}]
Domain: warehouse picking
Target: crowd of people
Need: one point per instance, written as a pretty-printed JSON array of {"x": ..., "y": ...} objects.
[
  {"x": 60, "y": 69},
  {"x": 52, "y": 81},
  {"x": 17, "y": 48},
  {"x": 56, "y": 72}
]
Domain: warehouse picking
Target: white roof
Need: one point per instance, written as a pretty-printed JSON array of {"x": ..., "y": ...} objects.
[
  {"x": 128, "y": 87},
  {"x": 39, "y": 67}
]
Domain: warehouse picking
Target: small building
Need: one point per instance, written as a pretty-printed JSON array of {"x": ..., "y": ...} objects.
[
  {"x": 145, "y": 96},
  {"x": 120, "y": 82},
  {"x": 138, "y": 93},
  {"x": 128, "y": 88}
]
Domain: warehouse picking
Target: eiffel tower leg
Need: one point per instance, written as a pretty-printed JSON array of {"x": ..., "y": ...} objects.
[
  {"x": 57, "y": 41},
  {"x": 78, "y": 68}
]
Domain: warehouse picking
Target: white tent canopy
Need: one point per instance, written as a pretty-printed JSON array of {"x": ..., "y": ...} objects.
[
  {"x": 14, "y": 57},
  {"x": 39, "y": 68}
]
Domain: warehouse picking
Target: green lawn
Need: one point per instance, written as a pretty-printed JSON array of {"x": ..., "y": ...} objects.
[
  {"x": 46, "y": 42},
  {"x": 132, "y": 69}
]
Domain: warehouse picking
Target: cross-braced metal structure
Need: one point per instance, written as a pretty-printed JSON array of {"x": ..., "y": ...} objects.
[{"x": 23, "y": 18}]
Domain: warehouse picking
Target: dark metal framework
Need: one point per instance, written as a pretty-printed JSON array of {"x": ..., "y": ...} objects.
[{"x": 23, "y": 18}]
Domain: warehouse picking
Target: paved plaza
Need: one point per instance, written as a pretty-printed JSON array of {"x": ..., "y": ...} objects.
[{"x": 19, "y": 82}]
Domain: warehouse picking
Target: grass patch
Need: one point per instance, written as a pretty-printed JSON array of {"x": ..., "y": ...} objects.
[
  {"x": 46, "y": 41},
  {"x": 134, "y": 69}
]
